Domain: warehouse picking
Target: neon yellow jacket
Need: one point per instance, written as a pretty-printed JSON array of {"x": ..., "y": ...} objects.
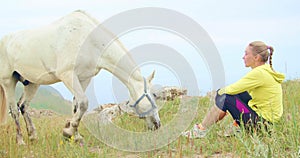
[{"x": 264, "y": 86}]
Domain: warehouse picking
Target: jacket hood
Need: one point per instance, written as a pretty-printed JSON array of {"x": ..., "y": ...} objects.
[{"x": 279, "y": 77}]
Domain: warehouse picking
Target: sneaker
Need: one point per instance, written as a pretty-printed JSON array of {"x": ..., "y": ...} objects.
[
  {"x": 196, "y": 132},
  {"x": 232, "y": 130}
]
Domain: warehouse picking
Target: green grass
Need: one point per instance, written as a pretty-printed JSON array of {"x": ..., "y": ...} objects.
[{"x": 284, "y": 141}]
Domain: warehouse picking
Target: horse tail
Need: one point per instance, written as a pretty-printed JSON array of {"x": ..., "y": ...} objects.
[{"x": 3, "y": 106}]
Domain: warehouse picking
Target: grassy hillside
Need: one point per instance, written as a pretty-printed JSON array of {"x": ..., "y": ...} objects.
[
  {"x": 283, "y": 142},
  {"x": 47, "y": 98}
]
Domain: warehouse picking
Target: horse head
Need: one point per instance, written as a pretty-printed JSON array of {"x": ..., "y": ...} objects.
[{"x": 145, "y": 106}]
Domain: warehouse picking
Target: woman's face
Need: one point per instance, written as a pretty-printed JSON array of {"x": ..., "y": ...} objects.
[{"x": 249, "y": 58}]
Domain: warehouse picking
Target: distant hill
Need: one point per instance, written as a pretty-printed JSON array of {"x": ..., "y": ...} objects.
[{"x": 47, "y": 98}]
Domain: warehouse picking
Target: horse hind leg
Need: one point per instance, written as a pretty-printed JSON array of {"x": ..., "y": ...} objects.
[
  {"x": 23, "y": 104},
  {"x": 9, "y": 86}
]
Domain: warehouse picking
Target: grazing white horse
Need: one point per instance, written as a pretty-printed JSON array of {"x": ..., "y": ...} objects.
[{"x": 71, "y": 50}]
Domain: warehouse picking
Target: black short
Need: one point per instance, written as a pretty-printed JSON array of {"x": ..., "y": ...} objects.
[{"x": 237, "y": 105}]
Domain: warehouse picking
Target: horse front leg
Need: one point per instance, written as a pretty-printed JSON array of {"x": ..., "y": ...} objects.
[
  {"x": 71, "y": 128},
  {"x": 81, "y": 103}
]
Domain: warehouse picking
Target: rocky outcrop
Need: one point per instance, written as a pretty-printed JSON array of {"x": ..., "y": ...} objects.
[{"x": 170, "y": 93}]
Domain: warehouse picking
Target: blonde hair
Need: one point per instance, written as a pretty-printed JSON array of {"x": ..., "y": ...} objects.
[{"x": 262, "y": 49}]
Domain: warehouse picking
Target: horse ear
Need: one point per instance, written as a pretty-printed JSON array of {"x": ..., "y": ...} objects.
[{"x": 149, "y": 78}]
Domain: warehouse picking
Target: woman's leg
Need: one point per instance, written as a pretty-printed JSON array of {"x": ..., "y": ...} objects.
[
  {"x": 214, "y": 115},
  {"x": 218, "y": 111},
  {"x": 237, "y": 105}
]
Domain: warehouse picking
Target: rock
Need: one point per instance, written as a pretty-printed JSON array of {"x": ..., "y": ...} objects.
[
  {"x": 37, "y": 113},
  {"x": 170, "y": 93},
  {"x": 107, "y": 112}
]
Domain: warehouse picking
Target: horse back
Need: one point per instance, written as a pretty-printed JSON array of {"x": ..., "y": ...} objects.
[{"x": 47, "y": 51}]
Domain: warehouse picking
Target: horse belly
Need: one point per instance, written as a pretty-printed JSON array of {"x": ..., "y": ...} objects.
[
  {"x": 42, "y": 78},
  {"x": 35, "y": 68}
]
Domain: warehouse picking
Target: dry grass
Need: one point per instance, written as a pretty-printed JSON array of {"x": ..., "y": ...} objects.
[{"x": 284, "y": 141}]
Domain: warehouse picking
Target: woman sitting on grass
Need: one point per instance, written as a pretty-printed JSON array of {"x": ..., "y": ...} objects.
[{"x": 254, "y": 99}]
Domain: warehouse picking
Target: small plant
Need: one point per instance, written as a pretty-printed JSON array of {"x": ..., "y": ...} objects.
[{"x": 283, "y": 141}]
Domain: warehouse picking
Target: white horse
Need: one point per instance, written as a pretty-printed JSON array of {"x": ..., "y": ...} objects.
[{"x": 71, "y": 50}]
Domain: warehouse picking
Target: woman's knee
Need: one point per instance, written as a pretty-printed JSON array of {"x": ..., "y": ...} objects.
[{"x": 224, "y": 100}]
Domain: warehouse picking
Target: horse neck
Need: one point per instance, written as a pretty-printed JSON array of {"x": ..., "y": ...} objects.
[
  {"x": 119, "y": 62},
  {"x": 135, "y": 85}
]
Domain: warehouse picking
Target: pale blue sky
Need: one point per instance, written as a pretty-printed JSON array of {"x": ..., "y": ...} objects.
[{"x": 231, "y": 24}]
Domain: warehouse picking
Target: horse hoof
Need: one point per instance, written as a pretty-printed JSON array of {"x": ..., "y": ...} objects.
[
  {"x": 33, "y": 137},
  {"x": 21, "y": 142},
  {"x": 67, "y": 132}
]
